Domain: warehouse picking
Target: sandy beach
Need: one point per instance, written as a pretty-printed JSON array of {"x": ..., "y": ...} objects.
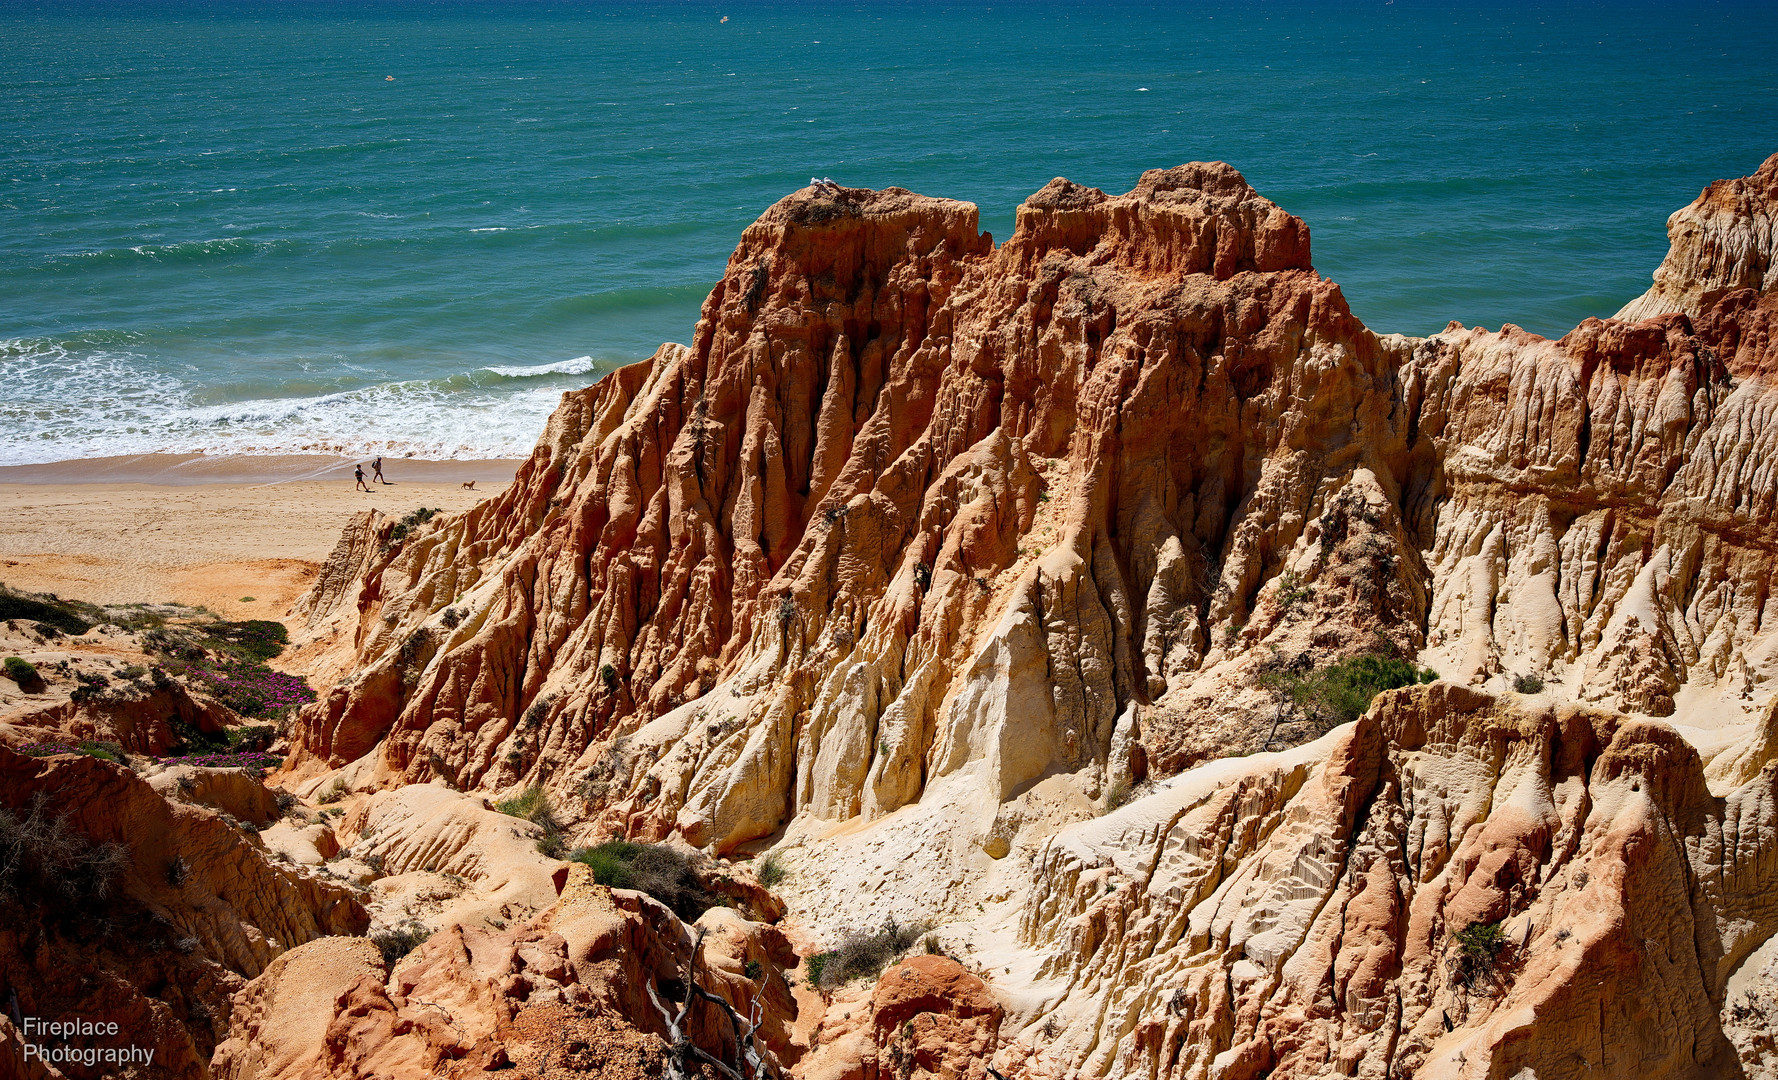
[{"x": 242, "y": 536}]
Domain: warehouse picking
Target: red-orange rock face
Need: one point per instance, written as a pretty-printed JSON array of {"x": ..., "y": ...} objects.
[
  {"x": 118, "y": 904},
  {"x": 903, "y": 478},
  {"x": 888, "y": 437},
  {"x": 570, "y": 994},
  {"x": 925, "y": 551}
]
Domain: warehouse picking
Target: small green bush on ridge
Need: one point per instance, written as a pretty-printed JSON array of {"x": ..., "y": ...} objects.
[
  {"x": 534, "y": 806},
  {"x": 861, "y": 955},
  {"x": 1340, "y": 693},
  {"x": 655, "y": 869},
  {"x": 22, "y": 671}
]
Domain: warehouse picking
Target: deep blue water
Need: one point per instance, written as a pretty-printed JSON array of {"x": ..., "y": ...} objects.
[{"x": 408, "y": 227}]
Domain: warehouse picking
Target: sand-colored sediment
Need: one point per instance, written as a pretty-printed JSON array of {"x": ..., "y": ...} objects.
[{"x": 215, "y": 541}]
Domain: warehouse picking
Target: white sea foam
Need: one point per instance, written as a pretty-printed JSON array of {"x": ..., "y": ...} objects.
[
  {"x": 105, "y": 403},
  {"x": 580, "y": 365}
]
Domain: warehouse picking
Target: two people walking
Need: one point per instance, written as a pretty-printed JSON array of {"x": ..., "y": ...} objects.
[{"x": 376, "y": 467}]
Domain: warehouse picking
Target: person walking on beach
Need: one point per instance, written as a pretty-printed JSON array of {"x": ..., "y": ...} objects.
[
  {"x": 359, "y": 473},
  {"x": 377, "y": 467}
]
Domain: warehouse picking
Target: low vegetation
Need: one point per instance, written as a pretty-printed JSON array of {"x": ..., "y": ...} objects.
[
  {"x": 44, "y": 860},
  {"x": 227, "y": 660},
  {"x": 193, "y": 741},
  {"x": 534, "y": 806},
  {"x": 402, "y": 529},
  {"x": 397, "y": 941},
  {"x": 1528, "y": 684},
  {"x": 1121, "y": 792},
  {"x": 254, "y": 689},
  {"x": 1292, "y": 591},
  {"x": 65, "y": 616},
  {"x": 1341, "y": 692},
  {"x": 104, "y": 751},
  {"x": 1478, "y": 953},
  {"x": 662, "y": 872},
  {"x": 22, "y": 672},
  {"x": 772, "y": 870},
  {"x": 861, "y": 955},
  {"x": 255, "y": 762}
]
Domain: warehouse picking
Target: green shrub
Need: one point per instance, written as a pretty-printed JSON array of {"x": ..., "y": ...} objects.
[
  {"x": 655, "y": 869},
  {"x": 1342, "y": 692},
  {"x": 1528, "y": 684},
  {"x": 753, "y": 970},
  {"x": 534, "y": 806},
  {"x": 1292, "y": 591},
  {"x": 89, "y": 685},
  {"x": 397, "y": 941},
  {"x": 135, "y": 617},
  {"x": 190, "y": 740},
  {"x": 530, "y": 805},
  {"x": 410, "y": 522},
  {"x": 104, "y": 751},
  {"x": 772, "y": 870},
  {"x": 1478, "y": 950},
  {"x": 67, "y": 617},
  {"x": 862, "y": 955},
  {"x": 254, "y": 639},
  {"x": 22, "y": 671},
  {"x": 251, "y": 737},
  {"x": 177, "y": 643},
  {"x": 539, "y": 710},
  {"x": 1481, "y": 939}
]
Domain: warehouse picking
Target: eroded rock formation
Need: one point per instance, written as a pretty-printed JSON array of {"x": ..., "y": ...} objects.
[
  {"x": 566, "y": 995},
  {"x": 925, "y": 552},
  {"x": 1300, "y": 914},
  {"x": 117, "y": 903}
]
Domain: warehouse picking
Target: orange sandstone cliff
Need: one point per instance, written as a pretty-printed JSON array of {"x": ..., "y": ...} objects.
[{"x": 962, "y": 577}]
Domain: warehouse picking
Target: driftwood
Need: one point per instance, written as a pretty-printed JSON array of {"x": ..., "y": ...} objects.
[{"x": 684, "y": 1056}]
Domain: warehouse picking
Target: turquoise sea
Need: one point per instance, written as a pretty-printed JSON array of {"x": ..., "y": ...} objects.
[{"x": 407, "y": 227}]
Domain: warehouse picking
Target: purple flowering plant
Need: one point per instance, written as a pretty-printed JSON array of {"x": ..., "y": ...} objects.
[
  {"x": 254, "y": 689},
  {"x": 255, "y": 762},
  {"x": 48, "y": 749}
]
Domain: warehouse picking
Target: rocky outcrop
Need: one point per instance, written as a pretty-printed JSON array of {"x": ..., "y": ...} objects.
[
  {"x": 926, "y": 552},
  {"x": 1724, "y": 241},
  {"x": 230, "y": 790},
  {"x": 906, "y": 485},
  {"x": 117, "y": 903},
  {"x": 444, "y": 858},
  {"x": 900, "y": 479},
  {"x": 1456, "y": 885},
  {"x": 926, "y": 1018},
  {"x": 568, "y": 994}
]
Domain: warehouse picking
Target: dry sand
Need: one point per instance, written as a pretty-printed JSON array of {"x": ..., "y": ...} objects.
[{"x": 209, "y": 531}]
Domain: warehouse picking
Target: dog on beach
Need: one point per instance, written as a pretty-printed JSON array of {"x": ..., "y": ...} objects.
[{"x": 469, "y": 485}]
